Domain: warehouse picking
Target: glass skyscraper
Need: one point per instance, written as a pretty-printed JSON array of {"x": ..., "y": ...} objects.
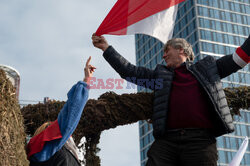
[{"x": 216, "y": 28}]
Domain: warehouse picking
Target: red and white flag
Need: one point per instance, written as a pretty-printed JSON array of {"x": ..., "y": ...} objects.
[{"x": 152, "y": 17}]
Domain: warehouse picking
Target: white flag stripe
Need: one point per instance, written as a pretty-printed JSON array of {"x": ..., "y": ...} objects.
[
  {"x": 237, "y": 59},
  {"x": 159, "y": 25},
  {"x": 239, "y": 155}
]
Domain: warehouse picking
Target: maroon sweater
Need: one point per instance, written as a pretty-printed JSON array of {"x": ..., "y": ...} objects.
[{"x": 189, "y": 105}]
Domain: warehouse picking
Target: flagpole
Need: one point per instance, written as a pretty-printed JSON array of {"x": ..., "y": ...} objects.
[{"x": 239, "y": 155}]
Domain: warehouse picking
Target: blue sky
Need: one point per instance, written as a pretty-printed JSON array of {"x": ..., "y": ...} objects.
[{"x": 48, "y": 42}]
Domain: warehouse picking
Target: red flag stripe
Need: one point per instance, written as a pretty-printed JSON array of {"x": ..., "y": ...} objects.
[
  {"x": 128, "y": 12},
  {"x": 36, "y": 144},
  {"x": 139, "y": 10},
  {"x": 116, "y": 21}
]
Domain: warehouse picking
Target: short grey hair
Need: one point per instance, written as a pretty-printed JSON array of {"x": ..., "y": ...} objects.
[{"x": 178, "y": 43}]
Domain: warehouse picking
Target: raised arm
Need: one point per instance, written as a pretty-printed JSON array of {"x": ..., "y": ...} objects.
[
  {"x": 232, "y": 63},
  {"x": 119, "y": 63},
  {"x": 55, "y": 136},
  {"x": 70, "y": 115}
]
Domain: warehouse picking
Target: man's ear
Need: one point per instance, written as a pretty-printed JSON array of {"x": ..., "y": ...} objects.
[{"x": 181, "y": 50}]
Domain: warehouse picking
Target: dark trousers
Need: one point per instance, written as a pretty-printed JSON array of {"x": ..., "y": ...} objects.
[{"x": 184, "y": 147}]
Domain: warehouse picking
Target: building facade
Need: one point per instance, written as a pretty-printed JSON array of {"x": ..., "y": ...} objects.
[{"x": 213, "y": 28}]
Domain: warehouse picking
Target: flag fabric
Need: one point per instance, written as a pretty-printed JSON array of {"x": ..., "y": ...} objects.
[
  {"x": 239, "y": 155},
  {"x": 152, "y": 17},
  {"x": 37, "y": 143}
]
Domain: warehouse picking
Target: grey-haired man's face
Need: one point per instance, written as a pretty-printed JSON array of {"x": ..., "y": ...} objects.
[{"x": 173, "y": 57}]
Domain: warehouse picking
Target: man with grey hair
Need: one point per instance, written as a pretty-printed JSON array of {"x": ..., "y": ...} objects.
[
  {"x": 180, "y": 43},
  {"x": 190, "y": 109}
]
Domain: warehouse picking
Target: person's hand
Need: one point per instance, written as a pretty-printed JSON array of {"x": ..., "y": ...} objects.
[
  {"x": 88, "y": 71},
  {"x": 99, "y": 42}
]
